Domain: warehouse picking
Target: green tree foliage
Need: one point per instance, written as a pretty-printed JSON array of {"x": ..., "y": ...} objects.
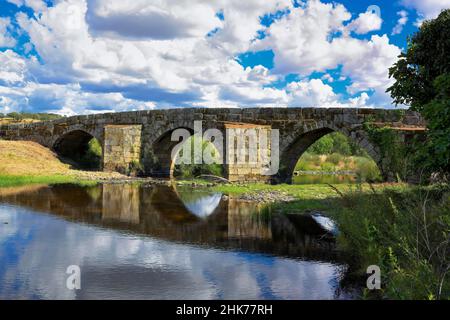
[
  {"x": 93, "y": 156},
  {"x": 322, "y": 146},
  {"x": 336, "y": 142},
  {"x": 341, "y": 154},
  {"x": 341, "y": 144},
  {"x": 436, "y": 152},
  {"x": 422, "y": 81}
]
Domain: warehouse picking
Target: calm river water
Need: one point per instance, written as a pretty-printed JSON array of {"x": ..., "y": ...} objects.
[{"x": 138, "y": 242}]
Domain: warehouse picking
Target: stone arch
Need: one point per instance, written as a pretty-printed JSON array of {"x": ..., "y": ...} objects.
[
  {"x": 162, "y": 147},
  {"x": 295, "y": 144},
  {"x": 161, "y": 162},
  {"x": 73, "y": 144}
]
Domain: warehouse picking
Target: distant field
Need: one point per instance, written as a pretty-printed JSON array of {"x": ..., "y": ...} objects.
[
  {"x": 11, "y": 121},
  {"x": 26, "y": 117}
]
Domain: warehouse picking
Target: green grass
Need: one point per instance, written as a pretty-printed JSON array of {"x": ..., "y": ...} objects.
[
  {"x": 308, "y": 196},
  {"x": 405, "y": 231},
  {"x": 306, "y": 191},
  {"x": 15, "y": 181}
]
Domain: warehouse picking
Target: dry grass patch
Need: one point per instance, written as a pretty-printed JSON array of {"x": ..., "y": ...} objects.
[{"x": 29, "y": 158}]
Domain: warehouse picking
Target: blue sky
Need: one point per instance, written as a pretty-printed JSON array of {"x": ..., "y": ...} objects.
[{"x": 87, "y": 56}]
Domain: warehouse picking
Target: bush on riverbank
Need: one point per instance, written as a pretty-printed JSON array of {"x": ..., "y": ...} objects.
[
  {"x": 404, "y": 232},
  {"x": 365, "y": 168},
  {"x": 335, "y": 152}
]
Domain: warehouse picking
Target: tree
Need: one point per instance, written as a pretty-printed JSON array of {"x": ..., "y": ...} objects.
[
  {"x": 322, "y": 146},
  {"x": 15, "y": 115},
  {"x": 341, "y": 144},
  {"x": 422, "y": 81},
  {"x": 435, "y": 154}
]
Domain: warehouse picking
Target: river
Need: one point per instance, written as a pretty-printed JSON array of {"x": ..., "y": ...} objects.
[{"x": 157, "y": 242}]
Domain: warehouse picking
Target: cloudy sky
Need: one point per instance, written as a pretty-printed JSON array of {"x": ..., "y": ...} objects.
[{"x": 86, "y": 56}]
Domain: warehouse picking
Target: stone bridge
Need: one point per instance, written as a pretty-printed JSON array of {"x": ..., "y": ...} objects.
[{"x": 144, "y": 137}]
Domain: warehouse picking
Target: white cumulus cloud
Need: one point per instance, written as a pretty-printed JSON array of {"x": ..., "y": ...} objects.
[
  {"x": 402, "y": 20},
  {"x": 429, "y": 9},
  {"x": 303, "y": 45},
  {"x": 36, "y": 5},
  {"x": 6, "y": 39},
  {"x": 366, "y": 22},
  {"x": 125, "y": 55}
]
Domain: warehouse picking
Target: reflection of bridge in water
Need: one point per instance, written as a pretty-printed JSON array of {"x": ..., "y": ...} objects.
[{"x": 189, "y": 217}]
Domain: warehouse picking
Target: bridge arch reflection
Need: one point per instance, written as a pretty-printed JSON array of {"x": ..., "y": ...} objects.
[{"x": 167, "y": 214}]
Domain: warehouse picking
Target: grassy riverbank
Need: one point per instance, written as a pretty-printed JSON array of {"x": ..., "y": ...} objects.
[
  {"x": 405, "y": 232},
  {"x": 13, "y": 181},
  {"x": 26, "y": 162},
  {"x": 401, "y": 228},
  {"x": 308, "y": 196}
]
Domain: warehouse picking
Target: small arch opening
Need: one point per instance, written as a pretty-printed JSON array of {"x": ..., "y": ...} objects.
[{"x": 80, "y": 149}]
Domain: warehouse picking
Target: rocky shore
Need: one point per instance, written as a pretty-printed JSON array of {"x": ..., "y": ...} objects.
[
  {"x": 115, "y": 177},
  {"x": 266, "y": 196}
]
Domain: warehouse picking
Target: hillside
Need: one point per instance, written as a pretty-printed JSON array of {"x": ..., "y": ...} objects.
[
  {"x": 19, "y": 158},
  {"x": 22, "y": 159}
]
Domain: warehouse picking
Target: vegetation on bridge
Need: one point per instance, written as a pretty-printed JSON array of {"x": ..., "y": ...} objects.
[{"x": 395, "y": 154}]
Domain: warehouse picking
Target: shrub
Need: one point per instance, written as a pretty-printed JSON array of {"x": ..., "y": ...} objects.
[
  {"x": 367, "y": 169},
  {"x": 308, "y": 162},
  {"x": 404, "y": 232},
  {"x": 322, "y": 146},
  {"x": 327, "y": 167},
  {"x": 93, "y": 156},
  {"x": 335, "y": 158}
]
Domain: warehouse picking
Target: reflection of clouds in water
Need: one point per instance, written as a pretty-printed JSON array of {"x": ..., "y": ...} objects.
[
  {"x": 114, "y": 265},
  {"x": 325, "y": 223},
  {"x": 204, "y": 205},
  {"x": 8, "y": 225}
]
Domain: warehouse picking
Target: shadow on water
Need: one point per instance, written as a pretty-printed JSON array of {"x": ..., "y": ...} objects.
[{"x": 185, "y": 217}]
